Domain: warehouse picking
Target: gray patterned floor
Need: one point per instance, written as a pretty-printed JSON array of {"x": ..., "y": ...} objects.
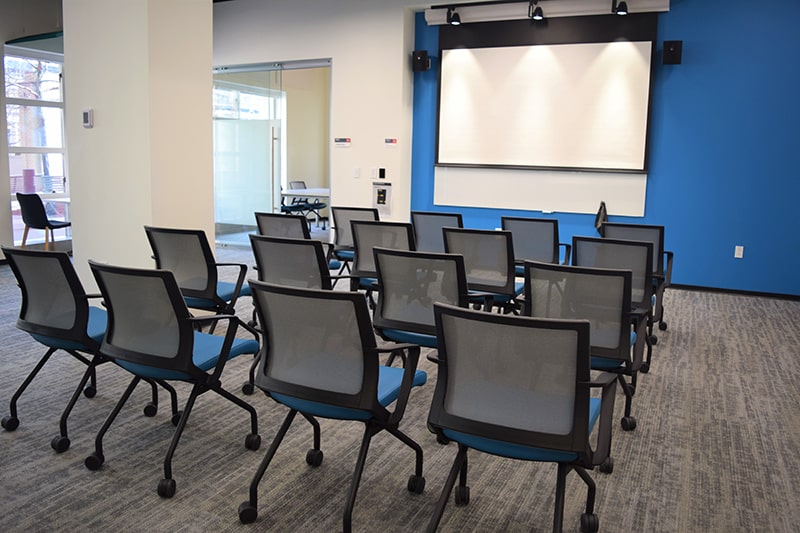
[{"x": 717, "y": 447}]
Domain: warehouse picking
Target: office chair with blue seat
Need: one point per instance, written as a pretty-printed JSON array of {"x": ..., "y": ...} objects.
[
  {"x": 35, "y": 216},
  {"x": 291, "y": 227},
  {"x": 535, "y": 239},
  {"x": 188, "y": 255},
  {"x": 55, "y": 311},
  {"x": 320, "y": 359},
  {"x": 410, "y": 282},
  {"x": 367, "y": 235},
  {"x": 489, "y": 260},
  {"x": 152, "y": 335},
  {"x": 601, "y": 296},
  {"x": 428, "y": 229},
  {"x": 342, "y": 233},
  {"x": 520, "y": 388}
]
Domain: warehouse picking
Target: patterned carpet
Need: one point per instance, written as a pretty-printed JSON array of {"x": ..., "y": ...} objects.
[{"x": 717, "y": 447}]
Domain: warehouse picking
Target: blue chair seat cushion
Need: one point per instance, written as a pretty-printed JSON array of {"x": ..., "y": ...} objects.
[
  {"x": 95, "y": 330},
  {"x": 334, "y": 264},
  {"x": 206, "y": 353},
  {"x": 520, "y": 451},
  {"x": 420, "y": 339},
  {"x": 389, "y": 380},
  {"x": 344, "y": 255},
  {"x": 604, "y": 363},
  {"x": 225, "y": 290},
  {"x": 519, "y": 286}
]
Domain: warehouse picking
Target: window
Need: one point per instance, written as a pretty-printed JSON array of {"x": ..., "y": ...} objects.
[{"x": 35, "y": 118}]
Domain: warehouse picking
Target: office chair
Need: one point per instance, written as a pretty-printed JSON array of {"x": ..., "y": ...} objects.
[
  {"x": 312, "y": 207},
  {"x": 662, "y": 260},
  {"x": 410, "y": 283},
  {"x": 428, "y": 229},
  {"x": 188, "y": 255},
  {"x": 519, "y": 387},
  {"x": 34, "y": 216},
  {"x": 342, "y": 235},
  {"x": 489, "y": 261},
  {"x": 320, "y": 359},
  {"x": 277, "y": 225},
  {"x": 535, "y": 239},
  {"x": 636, "y": 256},
  {"x": 369, "y": 234},
  {"x": 601, "y": 296},
  {"x": 152, "y": 335},
  {"x": 55, "y": 311}
]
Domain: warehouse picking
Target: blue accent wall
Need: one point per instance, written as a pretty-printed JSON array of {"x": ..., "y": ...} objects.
[{"x": 724, "y": 147}]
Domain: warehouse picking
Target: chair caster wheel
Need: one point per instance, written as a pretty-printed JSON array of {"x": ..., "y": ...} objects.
[
  {"x": 90, "y": 391},
  {"x": 607, "y": 466},
  {"x": 9, "y": 423},
  {"x": 441, "y": 439},
  {"x": 176, "y": 417},
  {"x": 252, "y": 441},
  {"x": 314, "y": 457},
  {"x": 632, "y": 389},
  {"x": 248, "y": 388},
  {"x": 166, "y": 488},
  {"x": 247, "y": 513},
  {"x": 628, "y": 423},
  {"x": 589, "y": 523},
  {"x": 653, "y": 340},
  {"x": 662, "y": 326},
  {"x": 60, "y": 443},
  {"x": 416, "y": 484},
  {"x": 94, "y": 461},
  {"x": 645, "y": 368},
  {"x": 150, "y": 409},
  {"x": 462, "y": 496}
]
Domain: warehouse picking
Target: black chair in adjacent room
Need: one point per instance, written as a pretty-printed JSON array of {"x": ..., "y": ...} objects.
[
  {"x": 489, "y": 261},
  {"x": 428, "y": 229},
  {"x": 313, "y": 207},
  {"x": 520, "y": 388},
  {"x": 320, "y": 359},
  {"x": 601, "y": 296},
  {"x": 152, "y": 335},
  {"x": 55, "y": 311},
  {"x": 34, "y": 216},
  {"x": 535, "y": 239}
]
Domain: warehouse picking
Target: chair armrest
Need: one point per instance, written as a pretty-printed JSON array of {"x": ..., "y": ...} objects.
[
  {"x": 608, "y": 383},
  {"x": 434, "y": 358},
  {"x": 567, "y": 252},
  {"x": 412, "y": 359},
  {"x": 239, "y": 279},
  {"x": 230, "y": 335}
]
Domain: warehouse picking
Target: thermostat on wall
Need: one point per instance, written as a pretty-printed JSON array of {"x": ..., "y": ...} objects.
[{"x": 88, "y": 118}]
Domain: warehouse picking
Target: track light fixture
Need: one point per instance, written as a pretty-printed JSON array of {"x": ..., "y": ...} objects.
[
  {"x": 619, "y": 9},
  {"x": 535, "y": 13},
  {"x": 452, "y": 17}
]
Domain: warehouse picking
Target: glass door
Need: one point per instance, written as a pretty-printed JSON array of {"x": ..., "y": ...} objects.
[{"x": 249, "y": 152}]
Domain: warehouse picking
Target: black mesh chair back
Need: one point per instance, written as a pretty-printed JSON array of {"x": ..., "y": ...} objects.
[
  {"x": 517, "y": 387},
  {"x": 636, "y": 256},
  {"x": 428, "y": 229},
  {"x": 34, "y": 216},
  {"x": 320, "y": 359},
  {"x": 342, "y": 216},
  {"x": 535, "y": 239},
  {"x": 55, "y": 311},
  {"x": 369, "y": 234},
  {"x": 293, "y": 262},
  {"x": 410, "y": 283},
  {"x": 280, "y": 225},
  {"x": 152, "y": 334},
  {"x": 488, "y": 258}
]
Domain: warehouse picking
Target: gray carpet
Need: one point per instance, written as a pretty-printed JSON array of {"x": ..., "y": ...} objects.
[{"x": 717, "y": 447}]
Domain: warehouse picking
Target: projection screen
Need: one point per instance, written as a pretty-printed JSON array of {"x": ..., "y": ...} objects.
[{"x": 572, "y": 106}]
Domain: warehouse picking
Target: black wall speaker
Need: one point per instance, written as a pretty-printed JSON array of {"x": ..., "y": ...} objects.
[
  {"x": 671, "y": 55},
  {"x": 420, "y": 60}
]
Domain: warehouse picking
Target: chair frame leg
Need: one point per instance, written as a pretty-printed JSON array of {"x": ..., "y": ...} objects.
[
  {"x": 98, "y": 441},
  {"x": 241, "y": 403},
  {"x": 25, "y": 235},
  {"x": 347, "y": 519},
  {"x": 28, "y": 380},
  {"x": 176, "y": 437},
  {"x": 459, "y": 469},
  {"x": 262, "y": 467},
  {"x": 408, "y": 441},
  {"x": 89, "y": 374},
  {"x": 561, "y": 484}
]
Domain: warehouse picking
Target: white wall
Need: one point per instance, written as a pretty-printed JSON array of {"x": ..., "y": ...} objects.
[
  {"x": 144, "y": 66},
  {"x": 19, "y": 18},
  {"x": 370, "y": 44}
]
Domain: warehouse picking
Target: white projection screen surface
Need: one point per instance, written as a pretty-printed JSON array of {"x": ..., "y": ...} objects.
[{"x": 578, "y": 106}]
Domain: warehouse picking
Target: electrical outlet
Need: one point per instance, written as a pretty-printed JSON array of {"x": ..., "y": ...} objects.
[{"x": 738, "y": 252}]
